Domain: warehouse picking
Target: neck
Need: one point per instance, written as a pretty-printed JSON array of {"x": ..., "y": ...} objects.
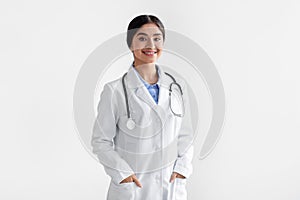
[{"x": 147, "y": 71}]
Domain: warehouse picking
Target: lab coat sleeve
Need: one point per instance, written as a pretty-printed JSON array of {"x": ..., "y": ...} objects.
[
  {"x": 185, "y": 148},
  {"x": 104, "y": 131}
]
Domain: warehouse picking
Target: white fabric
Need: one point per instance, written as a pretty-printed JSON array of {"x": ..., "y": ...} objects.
[{"x": 160, "y": 143}]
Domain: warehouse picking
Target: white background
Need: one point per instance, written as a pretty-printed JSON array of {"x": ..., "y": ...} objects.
[{"x": 254, "y": 45}]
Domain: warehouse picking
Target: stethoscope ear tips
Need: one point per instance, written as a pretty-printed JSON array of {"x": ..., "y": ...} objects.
[{"x": 130, "y": 124}]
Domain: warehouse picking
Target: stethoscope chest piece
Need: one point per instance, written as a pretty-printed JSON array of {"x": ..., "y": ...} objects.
[{"x": 130, "y": 124}]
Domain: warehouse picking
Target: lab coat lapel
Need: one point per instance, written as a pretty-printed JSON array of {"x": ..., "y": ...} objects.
[
  {"x": 163, "y": 83},
  {"x": 136, "y": 86}
]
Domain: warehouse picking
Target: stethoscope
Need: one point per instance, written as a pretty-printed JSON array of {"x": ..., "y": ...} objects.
[{"x": 130, "y": 123}]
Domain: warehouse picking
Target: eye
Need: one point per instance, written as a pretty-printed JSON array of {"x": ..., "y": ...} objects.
[
  {"x": 142, "y": 39},
  {"x": 157, "y": 39}
]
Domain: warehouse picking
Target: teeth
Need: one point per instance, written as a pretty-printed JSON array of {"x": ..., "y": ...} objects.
[{"x": 149, "y": 53}]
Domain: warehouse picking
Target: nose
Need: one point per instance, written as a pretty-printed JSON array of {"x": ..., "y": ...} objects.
[{"x": 150, "y": 44}]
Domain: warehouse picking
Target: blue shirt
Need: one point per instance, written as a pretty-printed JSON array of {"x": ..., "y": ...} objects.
[{"x": 154, "y": 88}]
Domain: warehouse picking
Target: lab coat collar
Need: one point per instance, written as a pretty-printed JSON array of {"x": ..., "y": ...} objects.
[
  {"x": 142, "y": 79},
  {"x": 137, "y": 86},
  {"x": 134, "y": 81}
]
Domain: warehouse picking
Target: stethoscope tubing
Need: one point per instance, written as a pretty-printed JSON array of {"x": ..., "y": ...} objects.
[{"x": 130, "y": 122}]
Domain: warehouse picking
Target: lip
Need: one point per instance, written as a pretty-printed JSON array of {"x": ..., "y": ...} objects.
[{"x": 149, "y": 52}]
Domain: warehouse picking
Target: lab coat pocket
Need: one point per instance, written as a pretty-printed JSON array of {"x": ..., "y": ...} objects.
[
  {"x": 121, "y": 191},
  {"x": 180, "y": 189}
]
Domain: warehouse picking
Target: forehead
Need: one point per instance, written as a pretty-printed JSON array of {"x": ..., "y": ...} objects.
[{"x": 149, "y": 29}]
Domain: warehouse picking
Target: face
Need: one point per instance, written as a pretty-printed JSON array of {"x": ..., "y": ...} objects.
[{"x": 147, "y": 44}]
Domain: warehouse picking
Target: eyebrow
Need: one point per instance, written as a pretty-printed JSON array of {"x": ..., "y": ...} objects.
[{"x": 147, "y": 35}]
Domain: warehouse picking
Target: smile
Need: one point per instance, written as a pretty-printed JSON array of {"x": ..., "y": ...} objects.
[{"x": 149, "y": 53}]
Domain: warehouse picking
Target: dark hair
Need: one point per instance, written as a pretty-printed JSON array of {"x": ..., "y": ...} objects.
[{"x": 138, "y": 22}]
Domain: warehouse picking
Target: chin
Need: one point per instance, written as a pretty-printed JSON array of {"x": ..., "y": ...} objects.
[{"x": 149, "y": 61}]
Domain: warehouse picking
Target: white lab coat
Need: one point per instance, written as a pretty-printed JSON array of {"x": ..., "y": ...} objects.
[{"x": 161, "y": 143}]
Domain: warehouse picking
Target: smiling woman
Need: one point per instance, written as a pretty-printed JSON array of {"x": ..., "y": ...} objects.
[
  {"x": 145, "y": 38},
  {"x": 144, "y": 146},
  {"x": 150, "y": 44}
]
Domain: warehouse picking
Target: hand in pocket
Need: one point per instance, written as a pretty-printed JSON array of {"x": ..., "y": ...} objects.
[
  {"x": 132, "y": 178},
  {"x": 176, "y": 175}
]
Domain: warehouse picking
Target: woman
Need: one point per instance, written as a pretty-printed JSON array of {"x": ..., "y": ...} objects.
[{"x": 143, "y": 140}]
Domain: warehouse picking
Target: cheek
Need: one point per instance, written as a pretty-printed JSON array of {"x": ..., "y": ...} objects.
[
  {"x": 137, "y": 46},
  {"x": 138, "y": 53},
  {"x": 159, "y": 52}
]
